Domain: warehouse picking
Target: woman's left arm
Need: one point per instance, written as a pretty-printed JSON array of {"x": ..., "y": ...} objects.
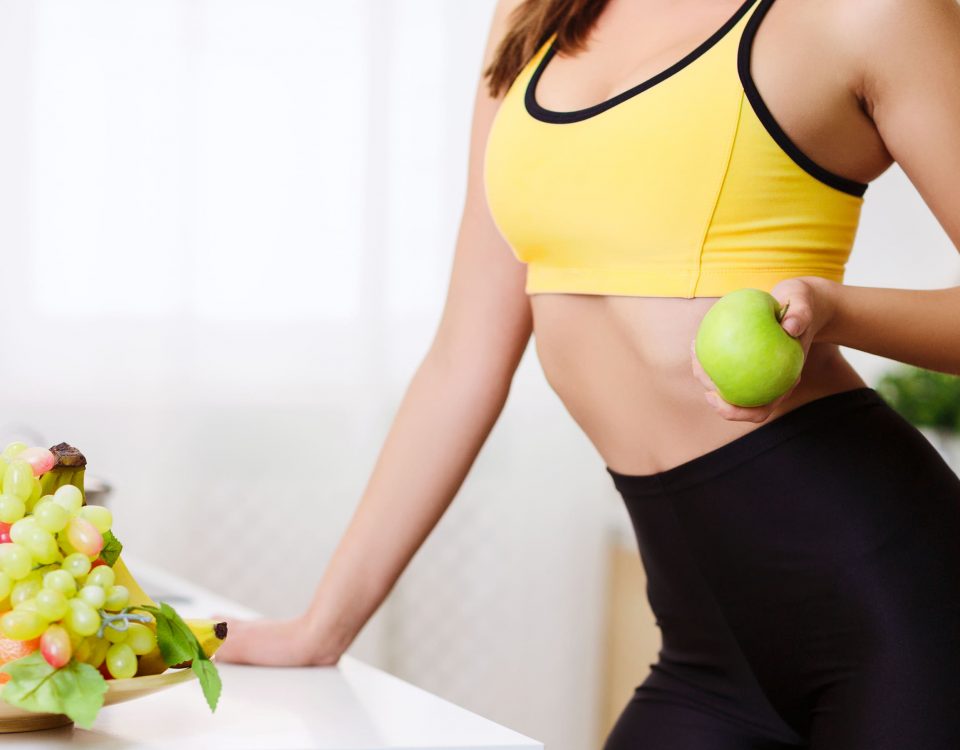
[
  {"x": 909, "y": 56},
  {"x": 917, "y": 327},
  {"x": 909, "y": 62}
]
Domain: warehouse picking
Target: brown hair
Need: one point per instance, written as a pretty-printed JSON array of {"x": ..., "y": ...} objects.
[{"x": 530, "y": 24}]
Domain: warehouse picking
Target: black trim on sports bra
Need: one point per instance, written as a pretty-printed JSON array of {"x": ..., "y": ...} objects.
[
  {"x": 846, "y": 184},
  {"x": 549, "y": 115}
]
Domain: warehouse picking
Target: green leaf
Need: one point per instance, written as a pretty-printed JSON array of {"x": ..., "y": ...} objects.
[
  {"x": 182, "y": 630},
  {"x": 178, "y": 644},
  {"x": 75, "y": 689},
  {"x": 209, "y": 680},
  {"x": 29, "y": 668},
  {"x": 205, "y": 670},
  {"x": 111, "y": 548},
  {"x": 81, "y": 687},
  {"x": 30, "y": 686},
  {"x": 174, "y": 645},
  {"x": 926, "y": 398}
]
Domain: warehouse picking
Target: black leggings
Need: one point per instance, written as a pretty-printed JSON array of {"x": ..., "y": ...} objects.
[{"x": 806, "y": 582}]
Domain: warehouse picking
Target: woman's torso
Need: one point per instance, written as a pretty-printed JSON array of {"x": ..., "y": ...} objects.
[
  {"x": 621, "y": 366},
  {"x": 620, "y": 363}
]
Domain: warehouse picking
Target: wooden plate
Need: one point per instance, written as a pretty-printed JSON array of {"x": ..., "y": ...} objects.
[{"x": 14, "y": 719}]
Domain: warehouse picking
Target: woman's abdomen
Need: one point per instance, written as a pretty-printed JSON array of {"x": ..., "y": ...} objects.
[{"x": 621, "y": 366}]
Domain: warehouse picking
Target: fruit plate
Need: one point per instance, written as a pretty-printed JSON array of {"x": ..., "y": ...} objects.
[{"x": 14, "y": 719}]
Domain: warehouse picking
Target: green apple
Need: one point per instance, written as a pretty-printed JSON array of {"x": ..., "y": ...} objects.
[{"x": 744, "y": 349}]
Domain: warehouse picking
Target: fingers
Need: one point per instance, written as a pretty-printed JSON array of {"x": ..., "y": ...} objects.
[
  {"x": 724, "y": 408},
  {"x": 798, "y": 314},
  {"x": 698, "y": 372},
  {"x": 755, "y": 414},
  {"x": 740, "y": 413}
]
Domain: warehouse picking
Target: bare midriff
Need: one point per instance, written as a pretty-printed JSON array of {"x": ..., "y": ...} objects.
[{"x": 621, "y": 366}]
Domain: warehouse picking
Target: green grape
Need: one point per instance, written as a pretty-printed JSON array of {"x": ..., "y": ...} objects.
[
  {"x": 19, "y": 529},
  {"x": 27, "y": 588},
  {"x": 44, "y": 569},
  {"x": 16, "y": 560},
  {"x": 99, "y": 516},
  {"x": 115, "y": 636},
  {"x": 51, "y": 603},
  {"x": 69, "y": 497},
  {"x": 64, "y": 542},
  {"x": 62, "y": 581},
  {"x": 28, "y": 605},
  {"x": 6, "y": 585},
  {"x": 121, "y": 661},
  {"x": 76, "y": 564},
  {"x": 140, "y": 638},
  {"x": 118, "y": 597},
  {"x": 12, "y": 508},
  {"x": 93, "y": 595},
  {"x": 102, "y": 576},
  {"x": 81, "y": 617},
  {"x": 3, "y": 466},
  {"x": 22, "y": 624},
  {"x": 18, "y": 480},
  {"x": 41, "y": 544},
  {"x": 34, "y": 576},
  {"x": 34, "y": 495},
  {"x": 50, "y": 516},
  {"x": 13, "y": 449}
]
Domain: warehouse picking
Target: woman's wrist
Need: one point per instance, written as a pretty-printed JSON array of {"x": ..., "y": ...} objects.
[
  {"x": 827, "y": 307},
  {"x": 915, "y": 326},
  {"x": 325, "y": 640}
]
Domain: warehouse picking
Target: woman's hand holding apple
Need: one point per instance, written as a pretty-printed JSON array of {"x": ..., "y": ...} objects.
[{"x": 810, "y": 303}]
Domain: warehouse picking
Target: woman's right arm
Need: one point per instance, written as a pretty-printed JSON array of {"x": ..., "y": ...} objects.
[{"x": 444, "y": 417}]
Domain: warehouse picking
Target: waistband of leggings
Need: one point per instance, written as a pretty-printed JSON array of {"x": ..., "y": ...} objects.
[{"x": 748, "y": 445}]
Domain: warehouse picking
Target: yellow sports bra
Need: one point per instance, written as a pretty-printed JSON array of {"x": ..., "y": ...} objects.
[{"x": 682, "y": 186}]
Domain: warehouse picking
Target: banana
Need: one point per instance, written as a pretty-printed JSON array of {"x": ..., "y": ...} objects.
[
  {"x": 68, "y": 468},
  {"x": 124, "y": 577},
  {"x": 151, "y": 663},
  {"x": 210, "y": 633}
]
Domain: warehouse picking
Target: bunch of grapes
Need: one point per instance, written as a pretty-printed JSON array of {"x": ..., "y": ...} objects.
[{"x": 56, "y": 592}]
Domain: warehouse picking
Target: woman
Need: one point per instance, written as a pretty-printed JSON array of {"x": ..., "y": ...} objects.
[{"x": 803, "y": 557}]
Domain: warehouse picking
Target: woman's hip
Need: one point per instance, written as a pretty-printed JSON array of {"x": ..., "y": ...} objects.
[{"x": 826, "y": 543}]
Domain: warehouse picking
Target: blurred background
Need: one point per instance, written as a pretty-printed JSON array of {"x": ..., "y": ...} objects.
[{"x": 227, "y": 228}]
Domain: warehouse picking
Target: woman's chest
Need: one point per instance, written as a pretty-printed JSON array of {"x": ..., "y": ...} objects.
[{"x": 679, "y": 184}]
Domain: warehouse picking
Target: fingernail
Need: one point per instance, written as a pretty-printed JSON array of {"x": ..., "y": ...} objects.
[
  {"x": 711, "y": 398},
  {"x": 792, "y": 326}
]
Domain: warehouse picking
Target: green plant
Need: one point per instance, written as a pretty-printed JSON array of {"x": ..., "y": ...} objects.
[{"x": 923, "y": 397}]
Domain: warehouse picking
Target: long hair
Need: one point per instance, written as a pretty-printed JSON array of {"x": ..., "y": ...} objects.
[{"x": 530, "y": 24}]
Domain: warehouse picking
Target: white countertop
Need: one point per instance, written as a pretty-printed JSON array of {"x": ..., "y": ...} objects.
[{"x": 345, "y": 707}]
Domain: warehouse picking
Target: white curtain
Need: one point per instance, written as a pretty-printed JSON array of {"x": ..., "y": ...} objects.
[{"x": 226, "y": 231}]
